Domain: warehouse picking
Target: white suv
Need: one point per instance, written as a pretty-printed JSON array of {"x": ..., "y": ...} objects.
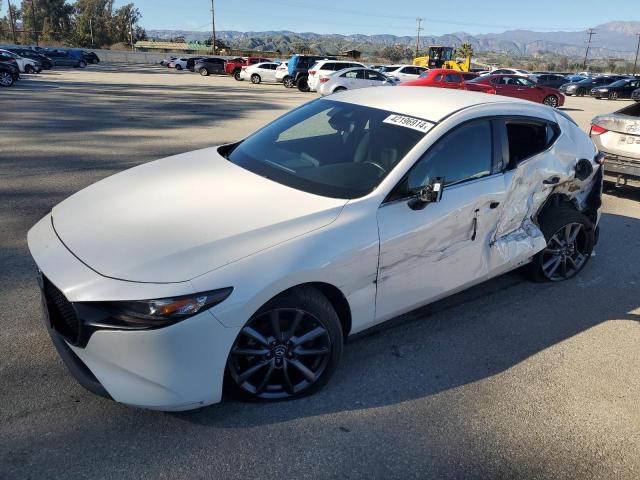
[
  {"x": 403, "y": 73},
  {"x": 281, "y": 71},
  {"x": 327, "y": 67}
]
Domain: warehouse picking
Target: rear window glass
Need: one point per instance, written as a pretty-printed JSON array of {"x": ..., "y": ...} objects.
[{"x": 528, "y": 138}]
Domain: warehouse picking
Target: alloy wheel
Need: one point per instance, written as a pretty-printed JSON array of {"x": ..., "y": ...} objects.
[
  {"x": 280, "y": 353},
  {"x": 6, "y": 80},
  {"x": 613, "y": 96},
  {"x": 566, "y": 252},
  {"x": 551, "y": 101}
]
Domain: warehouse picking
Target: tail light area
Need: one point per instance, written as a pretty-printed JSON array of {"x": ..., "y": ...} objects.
[
  {"x": 597, "y": 130},
  {"x": 324, "y": 79},
  {"x": 312, "y": 72}
]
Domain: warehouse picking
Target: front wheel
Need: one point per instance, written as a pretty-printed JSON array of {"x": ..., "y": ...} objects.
[
  {"x": 204, "y": 72},
  {"x": 570, "y": 240},
  {"x": 82, "y": 64},
  {"x": 551, "y": 101},
  {"x": 288, "y": 349},
  {"x": 613, "y": 96},
  {"x": 255, "y": 79},
  {"x": 288, "y": 82},
  {"x": 580, "y": 92},
  {"x": 178, "y": 67}
]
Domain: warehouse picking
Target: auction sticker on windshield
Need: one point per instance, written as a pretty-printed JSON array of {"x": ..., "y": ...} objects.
[{"x": 409, "y": 122}]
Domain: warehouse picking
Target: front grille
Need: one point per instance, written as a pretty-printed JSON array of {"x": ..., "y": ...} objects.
[{"x": 62, "y": 315}]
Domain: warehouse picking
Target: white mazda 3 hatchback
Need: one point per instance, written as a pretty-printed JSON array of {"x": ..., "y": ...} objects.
[{"x": 255, "y": 260}]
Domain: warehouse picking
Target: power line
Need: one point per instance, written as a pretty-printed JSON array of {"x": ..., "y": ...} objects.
[
  {"x": 591, "y": 33},
  {"x": 418, "y": 28}
]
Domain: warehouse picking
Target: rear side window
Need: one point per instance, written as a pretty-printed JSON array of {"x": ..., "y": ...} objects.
[
  {"x": 463, "y": 154},
  {"x": 451, "y": 77},
  {"x": 528, "y": 138}
]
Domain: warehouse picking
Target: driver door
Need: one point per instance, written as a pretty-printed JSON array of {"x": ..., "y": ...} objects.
[{"x": 430, "y": 252}]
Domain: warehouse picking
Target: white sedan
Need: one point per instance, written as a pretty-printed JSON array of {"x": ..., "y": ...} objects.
[
  {"x": 403, "y": 73},
  {"x": 258, "y": 258},
  {"x": 351, "y": 79},
  {"x": 260, "y": 72}
]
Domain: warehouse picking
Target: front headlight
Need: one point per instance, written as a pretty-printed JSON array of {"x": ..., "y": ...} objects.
[
  {"x": 603, "y": 89},
  {"x": 162, "y": 311}
]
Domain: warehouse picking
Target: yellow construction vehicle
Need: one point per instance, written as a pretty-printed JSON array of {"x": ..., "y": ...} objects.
[{"x": 442, "y": 57}]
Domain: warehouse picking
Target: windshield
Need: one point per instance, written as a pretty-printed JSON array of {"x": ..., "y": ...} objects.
[
  {"x": 389, "y": 68},
  {"x": 330, "y": 148},
  {"x": 619, "y": 83}
]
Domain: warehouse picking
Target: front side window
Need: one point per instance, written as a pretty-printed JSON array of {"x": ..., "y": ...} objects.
[
  {"x": 327, "y": 148},
  {"x": 463, "y": 154}
]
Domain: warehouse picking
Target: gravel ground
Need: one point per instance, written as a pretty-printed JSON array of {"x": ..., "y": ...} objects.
[{"x": 508, "y": 380}]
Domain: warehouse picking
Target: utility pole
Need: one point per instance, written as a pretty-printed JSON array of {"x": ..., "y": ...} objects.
[
  {"x": 33, "y": 19},
  {"x": 131, "y": 29},
  {"x": 635, "y": 64},
  {"x": 213, "y": 26},
  {"x": 591, "y": 33},
  {"x": 418, "y": 28},
  {"x": 13, "y": 25},
  {"x": 91, "y": 30}
]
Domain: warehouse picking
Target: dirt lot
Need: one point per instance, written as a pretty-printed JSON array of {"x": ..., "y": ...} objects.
[{"x": 508, "y": 380}]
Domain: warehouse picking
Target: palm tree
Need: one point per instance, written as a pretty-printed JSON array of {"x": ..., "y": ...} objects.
[{"x": 463, "y": 51}]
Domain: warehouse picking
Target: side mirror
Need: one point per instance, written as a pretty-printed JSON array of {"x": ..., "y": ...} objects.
[{"x": 430, "y": 193}]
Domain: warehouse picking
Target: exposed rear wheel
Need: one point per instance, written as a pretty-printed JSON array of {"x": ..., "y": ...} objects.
[
  {"x": 570, "y": 240},
  {"x": 6, "y": 79},
  {"x": 551, "y": 101},
  {"x": 288, "y": 82},
  {"x": 288, "y": 349},
  {"x": 255, "y": 78},
  {"x": 303, "y": 84}
]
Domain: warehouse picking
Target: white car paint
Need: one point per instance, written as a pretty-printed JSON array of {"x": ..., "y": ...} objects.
[
  {"x": 266, "y": 72},
  {"x": 195, "y": 222},
  {"x": 281, "y": 71},
  {"x": 403, "y": 73},
  {"x": 328, "y": 67},
  {"x": 22, "y": 62},
  {"x": 182, "y": 62},
  {"x": 352, "y": 79}
]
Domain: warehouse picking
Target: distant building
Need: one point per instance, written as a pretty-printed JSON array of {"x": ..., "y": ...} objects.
[{"x": 355, "y": 54}]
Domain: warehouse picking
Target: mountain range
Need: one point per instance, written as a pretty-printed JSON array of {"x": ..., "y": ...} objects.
[{"x": 612, "y": 40}]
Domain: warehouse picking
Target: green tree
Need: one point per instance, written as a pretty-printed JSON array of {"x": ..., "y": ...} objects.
[
  {"x": 463, "y": 51},
  {"x": 397, "y": 53}
]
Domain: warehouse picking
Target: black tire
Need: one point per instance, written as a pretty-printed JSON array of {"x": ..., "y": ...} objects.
[
  {"x": 613, "y": 96},
  {"x": 178, "y": 66},
  {"x": 82, "y": 64},
  {"x": 554, "y": 222},
  {"x": 204, "y": 72},
  {"x": 253, "y": 369},
  {"x": 338, "y": 89},
  {"x": 303, "y": 84},
  {"x": 580, "y": 92},
  {"x": 6, "y": 79},
  {"x": 236, "y": 75},
  {"x": 28, "y": 69},
  {"x": 551, "y": 101},
  {"x": 288, "y": 82},
  {"x": 255, "y": 79}
]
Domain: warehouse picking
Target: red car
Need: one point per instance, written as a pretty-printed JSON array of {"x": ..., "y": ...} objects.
[
  {"x": 234, "y": 66},
  {"x": 517, "y": 86},
  {"x": 443, "y": 78}
]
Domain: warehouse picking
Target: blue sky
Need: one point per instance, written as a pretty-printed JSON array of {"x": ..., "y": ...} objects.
[{"x": 379, "y": 16}]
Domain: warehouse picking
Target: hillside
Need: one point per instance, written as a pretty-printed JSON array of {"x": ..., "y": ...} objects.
[{"x": 612, "y": 40}]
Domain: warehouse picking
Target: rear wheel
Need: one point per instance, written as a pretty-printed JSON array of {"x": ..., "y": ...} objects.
[
  {"x": 236, "y": 75},
  {"x": 288, "y": 82},
  {"x": 178, "y": 66},
  {"x": 6, "y": 79},
  {"x": 551, "y": 101},
  {"x": 204, "y": 72},
  {"x": 288, "y": 349},
  {"x": 28, "y": 69},
  {"x": 570, "y": 240},
  {"x": 82, "y": 64},
  {"x": 338, "y": 89},
  {"x": 303, "y": 84},
  {"x": 580, "y": 92},
  {"x": 255, "y": 79}
]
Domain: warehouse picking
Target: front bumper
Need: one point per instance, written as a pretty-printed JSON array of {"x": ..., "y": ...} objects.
[{"x": 178, "y": 367}]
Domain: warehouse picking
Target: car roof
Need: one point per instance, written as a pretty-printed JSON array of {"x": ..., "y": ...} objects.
[{"x": 431, "y": 104}]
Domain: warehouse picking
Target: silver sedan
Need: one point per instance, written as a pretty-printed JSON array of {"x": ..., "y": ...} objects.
[{"x": 351, "y": 79}]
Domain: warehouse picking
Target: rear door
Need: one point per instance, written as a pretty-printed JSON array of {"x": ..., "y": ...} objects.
[
  {"x": 505, "y": 85},
  {"x": 452, "y": 80}
]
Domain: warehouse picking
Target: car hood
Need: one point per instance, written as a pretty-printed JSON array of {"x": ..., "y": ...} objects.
[{"x": 180, "y": 217}]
